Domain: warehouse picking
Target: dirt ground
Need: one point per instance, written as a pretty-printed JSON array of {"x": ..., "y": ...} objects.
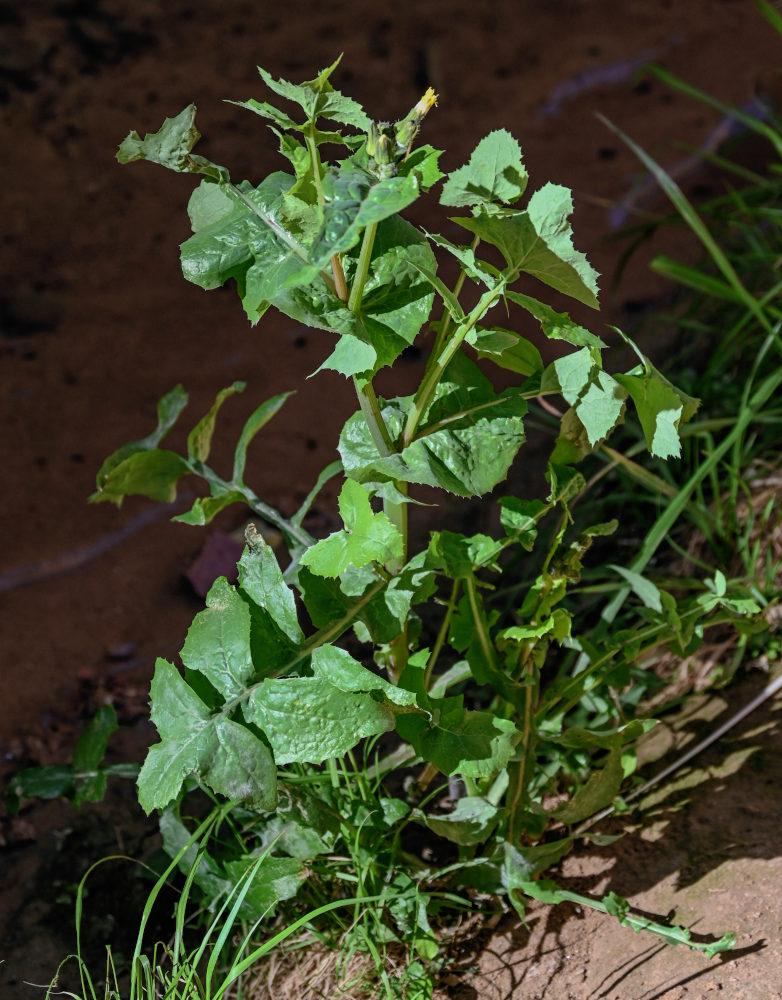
[{"x": 96, "y": 323}]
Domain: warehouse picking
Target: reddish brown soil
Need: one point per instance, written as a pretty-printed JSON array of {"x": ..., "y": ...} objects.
[{"x": 97, "y": 323}]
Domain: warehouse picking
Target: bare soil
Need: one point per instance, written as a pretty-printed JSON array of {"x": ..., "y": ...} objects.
[{"x": 97, "y": 323}]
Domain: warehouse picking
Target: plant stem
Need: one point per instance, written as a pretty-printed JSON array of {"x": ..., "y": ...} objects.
[
  {"x": 519, "y": 771},
  {"x": 446, "y": 323},
  {"x": 396, "y": 512},
  {"x": 426, "y": 390},
  {"x": 340, "y": 284},
  {"x": 442, "y": 635},
  {"x": 362, "y": 268}
]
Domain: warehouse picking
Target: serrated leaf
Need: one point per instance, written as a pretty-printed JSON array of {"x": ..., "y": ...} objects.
[
  {"x": 469, "y": 823},
  {"x": 494, "y": 173},
  {"x": 538, "y": 241},
  {"x": 596, "y": 398},
  {"x": 266, "y": 110},
  {"x": 519, "y": 519},
  {"x": 218, "y": 641},
  {"x": 423, "y": 161},
  {"x": 565, "y": 482},
  {"x": 318, "y": 98},
  {"x": 171, "y": 147},
  {"x": 479, "y": 270},
  {"x": 367, "y": 537},
  {"x": 227, "y": 246},
  {"x": 458, "y": 555},
  {"x": 661, "y": 408},
  {"x": 556, "y": 326},
  {"x": 466, "y": 443},
  {"x": 395, "y": 305},
  {"x": 187, "y": 735},
  {"x": 356, "y": 199},
  {"x": 260, "y": 578},
  {"x": 257, "y": 420},
  {"x": 199, "y": 440}
]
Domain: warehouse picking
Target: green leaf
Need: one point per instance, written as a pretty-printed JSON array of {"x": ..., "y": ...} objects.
[
  {"x": 339, "y": 668},
  {"x": 91, "y": 747},
  {"x": 170, "y": 146},
  {"x": 257, "y": 420},
  {"x": 599, "y": 791},
  {"x": 199, "y": 440},
  {"x": 473, "y": 744},
  {"x": 479, "y": 270},
  {"x": 470, "y": 822},
  {"x": 395, "y": 305},
  {"x": 494, "y": 173},
  {"x": 211, "y": 203},
  {"x": 506, "y": 349},
  {"x": 205, "y": 509},
  {"x": 89, "y": 753},
  {"x": 647, "y": 591},
  {"x": 458, "y": 555},
  {"x": 241, "y": 767},
  {"x": 208, "y": 874},
  {"x": 40, "y": 782},
  {"x": 274, "y": 880},
  {"x": 319, "y": 99},
  {"x": 556, "y": 326},
  {"x": 450, "y": 301},
  {"x": 309, "y": 720},
  {"x": 580, "y": 738},
  {"x": 168, "y": 409},
  {"x": 538, "y": 241},
  {"x": 250, "y": 243},
  {"x": 523, "y": 864},
  {"x": 152, "y": 474},
  {"x": 519, "y": 519},
  {"x": 266, "y": 110},
  {"x": 596, "y": 397},
  {"x": 356, "y": 199},
  {"x": 220, "y": 753},
  {"x": 466, "y": 444},
  {"x": 188, "y": 740},
  {"x": 661, "y": 409},
  {"x": 260, "y": 579},
  {"x": 218, "y": 641},
  {"x": 422, "y": 161},
  {"x": 367, "y": 537}
]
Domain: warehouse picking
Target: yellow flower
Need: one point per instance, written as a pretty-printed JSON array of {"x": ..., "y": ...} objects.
[{"x": 429, "y": 100}]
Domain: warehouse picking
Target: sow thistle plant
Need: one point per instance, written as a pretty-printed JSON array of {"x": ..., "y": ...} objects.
[{"x": 329, "y": 761}]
